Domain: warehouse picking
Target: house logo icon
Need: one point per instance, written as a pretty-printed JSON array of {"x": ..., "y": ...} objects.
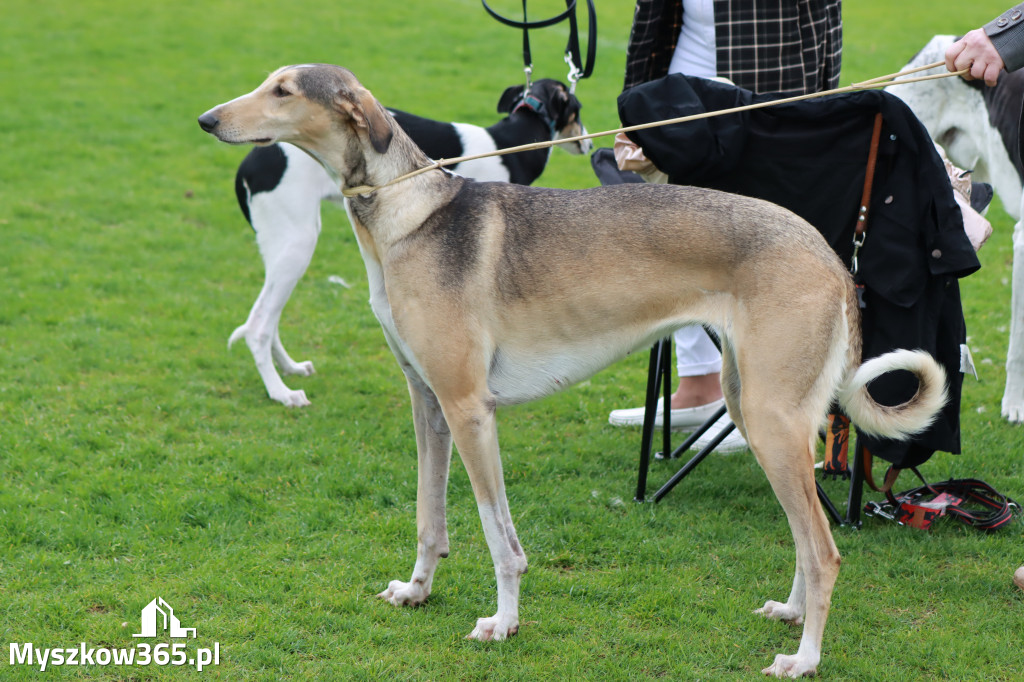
[{"x": 158, "y": 617}]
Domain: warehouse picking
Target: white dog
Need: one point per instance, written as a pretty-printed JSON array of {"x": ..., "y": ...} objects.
[{"x": 979, "y": 127}]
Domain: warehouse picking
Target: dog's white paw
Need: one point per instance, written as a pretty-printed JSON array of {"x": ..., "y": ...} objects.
[
  {"x": 405, "y": 594},
  {"x": 791, "y": 666},
  {"x": 1013, "y": 410},
  {"x": 783, "y": 612},
  {"x": 304, "y": 369},
  {"x": 494, "y": 628},
  {"x": 292, "y": 398}
]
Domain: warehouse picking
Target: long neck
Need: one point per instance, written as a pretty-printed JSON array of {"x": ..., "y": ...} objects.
[
  {"x": 352, "y": 162},
  {"x": 392, "y": 211}
]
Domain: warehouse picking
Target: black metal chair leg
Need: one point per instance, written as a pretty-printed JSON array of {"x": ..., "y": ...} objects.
[
  {"x": 650, "y": 407},
  {"x": 830, "y": 508},
  {"x": 855, "y": 499},
  {"x": 666, "y": 405},
  {"x": 699, "y": 457}
]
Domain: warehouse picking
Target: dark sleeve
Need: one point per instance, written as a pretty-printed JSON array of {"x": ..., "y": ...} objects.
[
  {"x": 652, "y": 40},
  {"x": 1007, "y": 35}
]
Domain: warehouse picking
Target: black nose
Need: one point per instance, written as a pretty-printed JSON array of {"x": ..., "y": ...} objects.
[{"x": 208, "y": 122}]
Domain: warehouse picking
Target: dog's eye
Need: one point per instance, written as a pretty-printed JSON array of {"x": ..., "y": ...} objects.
[{"x": 281, "y": 92}]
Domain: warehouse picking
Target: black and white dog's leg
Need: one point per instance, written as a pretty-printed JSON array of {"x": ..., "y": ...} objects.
[
  {"x": 1013, "y": 396},
  {"x": 287, "y": 225}
]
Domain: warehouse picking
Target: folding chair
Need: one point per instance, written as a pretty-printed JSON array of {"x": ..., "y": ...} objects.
[
  {"x": 659, "y": 379},
  {"x": 909, "y": 181}
]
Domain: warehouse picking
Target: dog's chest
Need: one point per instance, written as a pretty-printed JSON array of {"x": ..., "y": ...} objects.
[
  {"x": 525, "y": 371},
  {"x": 519, "y": 377},
  {"x": 381, "y": 306},
  {"x": 515, "y": 374}
]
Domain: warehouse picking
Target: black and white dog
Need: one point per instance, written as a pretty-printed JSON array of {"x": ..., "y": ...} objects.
[
  {"x": 979, "y": 128},
  {"x": 280, "y": 188}
]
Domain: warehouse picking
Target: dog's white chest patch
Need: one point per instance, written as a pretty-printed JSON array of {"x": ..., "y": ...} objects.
[{"x": 519, "y": 376}]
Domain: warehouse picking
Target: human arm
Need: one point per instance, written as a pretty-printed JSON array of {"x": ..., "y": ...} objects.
[{"x": 988, "y": 50}]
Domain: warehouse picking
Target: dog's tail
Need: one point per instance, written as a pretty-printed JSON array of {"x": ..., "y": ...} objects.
[
  {"x": 235, "y": 335},
  {"x": 897, "y": 421}
]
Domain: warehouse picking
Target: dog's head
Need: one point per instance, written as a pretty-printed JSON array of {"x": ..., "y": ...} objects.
[
  {"x": 552, "y": 101},
  {"x": 303, "y": 105}
]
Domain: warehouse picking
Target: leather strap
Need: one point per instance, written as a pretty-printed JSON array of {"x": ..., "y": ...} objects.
[
  {"x": 837, "y": 440},
  {"x": 891, "y": 474},
  {"x": 869, "y": 177}
]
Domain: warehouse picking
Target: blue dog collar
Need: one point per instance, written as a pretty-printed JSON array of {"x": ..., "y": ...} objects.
[{"x": 535, "y": 105}]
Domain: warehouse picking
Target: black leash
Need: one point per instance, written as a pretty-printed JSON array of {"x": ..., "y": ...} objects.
[
  {"x": 578, "y": 70},
  {"x": 967, "y": 500}
]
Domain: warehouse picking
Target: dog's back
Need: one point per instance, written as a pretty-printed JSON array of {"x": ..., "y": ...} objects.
[{"x": 503, "y": 249}]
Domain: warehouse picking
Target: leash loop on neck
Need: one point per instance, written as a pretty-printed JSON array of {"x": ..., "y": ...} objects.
[{"x": 533, "y": 103}]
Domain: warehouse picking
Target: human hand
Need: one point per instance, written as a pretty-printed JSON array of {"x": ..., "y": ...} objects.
[{"x": 975, "y": 52}]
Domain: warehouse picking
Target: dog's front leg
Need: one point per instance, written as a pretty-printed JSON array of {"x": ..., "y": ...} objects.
[
  {"x": 434, "y": 447},
  {"x": 1013, "y": 397},
  {"x": 474, "y": 428}
]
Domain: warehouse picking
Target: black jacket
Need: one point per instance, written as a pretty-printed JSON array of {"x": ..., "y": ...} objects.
[{"x": 811, "y": 157}]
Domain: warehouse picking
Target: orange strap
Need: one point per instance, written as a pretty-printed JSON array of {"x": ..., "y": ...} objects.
[{"x": 837, "y": 442}]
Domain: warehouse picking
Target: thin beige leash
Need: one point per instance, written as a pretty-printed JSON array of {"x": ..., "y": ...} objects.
[{"x": 879, "y": 82}]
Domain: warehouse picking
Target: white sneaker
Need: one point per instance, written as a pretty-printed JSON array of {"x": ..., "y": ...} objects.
[
  {"x": 734, "y": 442},
  {"x": 686, "y": 419}
]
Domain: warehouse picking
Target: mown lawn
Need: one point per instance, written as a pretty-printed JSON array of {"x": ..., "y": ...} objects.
[{"x": 141, "y": 459}]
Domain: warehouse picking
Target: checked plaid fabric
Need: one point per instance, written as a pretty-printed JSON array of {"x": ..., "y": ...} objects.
[{"x": 791, "y": 47}]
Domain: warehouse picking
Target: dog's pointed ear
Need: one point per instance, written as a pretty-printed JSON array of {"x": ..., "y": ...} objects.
[
  {"x": 366, "y": 113},
  {"x": 508, "y": 98}
]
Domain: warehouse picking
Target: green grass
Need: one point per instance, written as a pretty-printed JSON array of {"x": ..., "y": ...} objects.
[{"x": 139, "y": 458}]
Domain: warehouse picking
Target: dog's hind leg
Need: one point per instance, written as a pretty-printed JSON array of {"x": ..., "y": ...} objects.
[
  {"x": 1013, "y": 396},
  {"x": 287, "y": 229},
  {"x": 434, "y": 448},
  {"x": 783, "y": 451},
  {"x": 786, "y": 378}
]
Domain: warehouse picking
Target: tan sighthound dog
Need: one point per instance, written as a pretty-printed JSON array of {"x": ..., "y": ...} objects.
[{"x": 493, "y": 294}]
